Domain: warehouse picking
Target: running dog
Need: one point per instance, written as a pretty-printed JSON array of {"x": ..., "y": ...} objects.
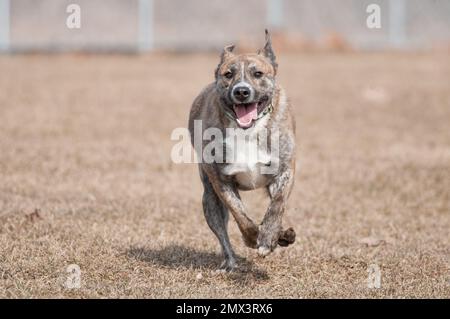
[{"x": 246, "y": 98}]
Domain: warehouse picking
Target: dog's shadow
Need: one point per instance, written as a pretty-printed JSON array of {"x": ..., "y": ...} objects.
[{"x": 176, "y": 256}]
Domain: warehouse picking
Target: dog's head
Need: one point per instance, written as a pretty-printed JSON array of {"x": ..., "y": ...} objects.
[{"x": 246, "y": 82}]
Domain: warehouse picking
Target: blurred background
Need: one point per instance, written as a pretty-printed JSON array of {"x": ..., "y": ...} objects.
[{"x": 177, "y": 25}]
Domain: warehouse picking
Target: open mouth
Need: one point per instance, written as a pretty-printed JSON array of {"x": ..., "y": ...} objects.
[{"x": 246, "y": 113}]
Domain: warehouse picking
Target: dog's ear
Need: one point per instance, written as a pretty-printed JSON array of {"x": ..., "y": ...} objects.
[
  {"x": 226, "y": 54},
  {"x": 267, "y": 51}
]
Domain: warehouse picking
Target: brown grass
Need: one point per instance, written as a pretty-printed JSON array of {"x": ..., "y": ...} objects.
[{"x": 86, "y": 141}]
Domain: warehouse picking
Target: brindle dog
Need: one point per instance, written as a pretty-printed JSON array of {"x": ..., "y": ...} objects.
[{"x": 246, "y": 97}]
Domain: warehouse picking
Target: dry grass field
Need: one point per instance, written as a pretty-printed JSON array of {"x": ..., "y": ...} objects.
[{"x": 86, "y": 178}]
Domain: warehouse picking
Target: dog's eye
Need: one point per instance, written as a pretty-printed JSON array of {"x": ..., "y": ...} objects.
[
  {"x": 228, "y": 74},
  {"x": 258, "y": 74}
]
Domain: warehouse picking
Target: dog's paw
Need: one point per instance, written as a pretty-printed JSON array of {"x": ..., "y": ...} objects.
[
  {"x": 227, "y": 265},
  {"x": 251, "y": 238},
  {"x": 267, "y": 241},
  {"x": 287, "y": 237},
  {"x": 250, "y": 242},
  {"x": 263, "y": 251}
]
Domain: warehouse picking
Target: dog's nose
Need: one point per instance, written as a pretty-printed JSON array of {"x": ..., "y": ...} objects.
[{"x": 241, "y": 93}]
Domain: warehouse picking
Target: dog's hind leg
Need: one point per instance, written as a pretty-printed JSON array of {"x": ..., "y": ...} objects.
[{"x": 216, "y": 215}]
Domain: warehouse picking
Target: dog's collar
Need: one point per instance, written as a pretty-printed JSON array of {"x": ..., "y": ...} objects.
[{"x": 267, "y": 110}]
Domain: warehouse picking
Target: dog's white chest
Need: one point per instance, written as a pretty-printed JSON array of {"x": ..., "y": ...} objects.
[
  {"x": 247, "y": 162},
  {"x": 251, "y": 178}
]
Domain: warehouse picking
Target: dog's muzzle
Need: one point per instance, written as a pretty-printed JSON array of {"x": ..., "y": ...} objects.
[{"x": 242, "y": 92}]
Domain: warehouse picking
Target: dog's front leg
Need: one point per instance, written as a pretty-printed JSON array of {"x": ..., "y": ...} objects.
[
  {"x": 270, "y": 231},
  {"x": 229, "y": 195},
  {"x": 232, "y": 200}
]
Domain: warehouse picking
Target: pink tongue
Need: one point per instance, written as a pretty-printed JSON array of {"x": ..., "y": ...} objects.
[{"x": 246, "y": 113}]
